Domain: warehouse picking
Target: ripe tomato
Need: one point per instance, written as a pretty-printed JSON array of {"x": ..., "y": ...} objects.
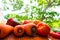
[
  {"x": 13, "y": 22},
  {"x": 30, "y": 29},
  {"x": 27, "y": 21},
  {"x": 55, "y": 35},
  {"x": 43, "y": 29},
  {"x": 19, "y": 30},
  {"x": 36, "y": 21},
  {"x": 5, "y": 30}
]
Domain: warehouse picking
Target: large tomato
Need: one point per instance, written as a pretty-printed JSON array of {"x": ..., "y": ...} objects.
[
  {"x": 30, "y": 29},
  {"x": 5, "y": 30},
  {"x": 19, "y": 30},
  {"x": 43, "y": 29}
]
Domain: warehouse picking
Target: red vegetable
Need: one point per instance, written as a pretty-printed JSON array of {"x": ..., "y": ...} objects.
[
  {"x": 5, "y": 30},
  {"x": 30, "y": 29},
  {"x": 27, "y": 21},
  {"x": 55, "y": 35},
  {"x": 58, "y": 32},
  {"x": 43, "y": 29},
  {"x": 19, "y": 30},
  {"x": 36, "y": 22},
  {"x": 12, "y": 22}
]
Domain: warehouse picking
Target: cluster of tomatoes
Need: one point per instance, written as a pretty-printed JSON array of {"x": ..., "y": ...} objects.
[{"x": 28, "y": 27}]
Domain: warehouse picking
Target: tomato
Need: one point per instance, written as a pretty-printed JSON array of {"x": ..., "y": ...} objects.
[
  {"x": 13, "y": 22},
  {"x": 19, "y": 30},
  {"x": 27, "y": 21},
  {"x": 43, "y": 29},
  {"x": 36, "y": 21},
  {"x": 58, "y": 32},
  {"x": 30, "y": 29},
  {"x": 5, "y": 30},
  {"x": 55, "y": 35}
]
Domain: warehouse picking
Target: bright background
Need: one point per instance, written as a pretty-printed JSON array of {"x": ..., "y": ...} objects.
[{"x": 47, "y": 11}]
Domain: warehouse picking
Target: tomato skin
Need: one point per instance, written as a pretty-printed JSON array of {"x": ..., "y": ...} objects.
[
  {"x": 40, "y": 24},
  {"x": 36, "y": 21},
  {"x": 43, "y": 29},
  {"x": 28, "y": 29},
  {"x": 55, "y": 35},
  {"x": 5, "y": 30},
  {"x": 19, "y": 30},
  {"x": 27, "y": 21},
  {"x": 12, "y": 22},
  {"x": 58, "y": 32}
]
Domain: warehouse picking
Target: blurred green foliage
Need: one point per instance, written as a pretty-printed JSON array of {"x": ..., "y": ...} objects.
[
  {"x": 36, "y": 12},
  {"x": 19, "y": 18},
  {"x": 47, "y": 17},
  {"x": 15, "y": 4}
]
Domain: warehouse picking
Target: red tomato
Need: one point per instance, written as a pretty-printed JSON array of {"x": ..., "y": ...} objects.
[
  {"x": 19, "y": 30},
  {"x": 27, "y": 21},
  {"x": 43, "y": 29},
  {"x": 5, "y": 30},
  {"x": 58, "y": 32},
  {"x": 13, "y": 22},
  {"x": 55, "y": 35},
  {"x": 30, "y": 29},
  {"x": 36, "y": 21}
]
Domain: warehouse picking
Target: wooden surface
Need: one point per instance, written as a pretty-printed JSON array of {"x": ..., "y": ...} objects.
[{"x": 12, "y": 37}]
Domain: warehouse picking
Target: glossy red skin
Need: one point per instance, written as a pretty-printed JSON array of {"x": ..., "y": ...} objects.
[
  {"x": 27, "y": 21},
  {"x": 16, "y": 30},
  {"x": 58, "y": 32},
  {"x": 40, "y": 24},
  {"x": 27, "y": 28},
  {"x": 36, "y": 21},
  {"x": 5, "y": 30},
  {"x": 12, "y": 22},
  {"x": 43, "y": 29},
  {"x": 55, "y": 35}
]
